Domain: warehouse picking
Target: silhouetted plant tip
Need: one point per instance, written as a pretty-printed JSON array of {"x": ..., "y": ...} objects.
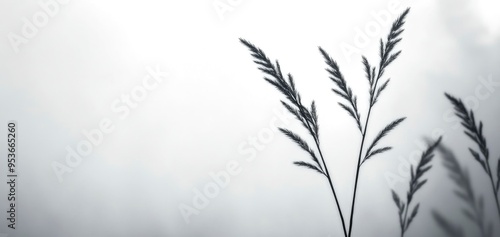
[
  {"x": 308, "y": 117},
  {"x": 474, "y": 131},
  {"x": 416, "y": 182},
  {"x": 373, "y": 75},
  {"x": 343, "y": 90},
  {"x": 294, "y": 104},
  {"x": 465, "y": 192}
]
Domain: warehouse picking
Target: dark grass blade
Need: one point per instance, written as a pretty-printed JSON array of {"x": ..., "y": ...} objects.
[
  {"x": 297, "y": 114},
  {"x": 380, "y": 90},
  {"x": 308, "y": 166},
  {"x": 473, "y": 130},
  {"x": 349, "y": 110},
  {"x": 343, "y": 90},
  {"x": 314, "y": 116},
  {"x": 387, "y": 54},
  {"x": 422, "y": 167},
  {"x": 286, "y": 86},
  {"x": 382, "y": 134},
  {"x": 413, "y": 215},
  {"x": 478, "y": 158},
  {"x": 375, "y": 152},
  {"x": 302, "y": 144},
  {"x": 416, "y": 182},
  {"x": 396, "y": 198},
  {"x": 368, "y": 70},
  {"x": 401, "y": 207}
]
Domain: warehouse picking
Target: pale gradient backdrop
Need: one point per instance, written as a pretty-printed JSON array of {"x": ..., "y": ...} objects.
[{"x": 67, "y": 75}]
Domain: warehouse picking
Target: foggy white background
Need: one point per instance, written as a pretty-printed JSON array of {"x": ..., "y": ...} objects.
[{"x": 65, "y": 78}]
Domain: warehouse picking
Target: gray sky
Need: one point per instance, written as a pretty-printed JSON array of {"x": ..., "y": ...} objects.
[{"x": 71, "y": 74}]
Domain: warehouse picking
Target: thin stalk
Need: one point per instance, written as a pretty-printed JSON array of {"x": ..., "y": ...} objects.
[
  {"x": 357, "y": 171},
  {"x": 316, "y": 141},
  {"x": 493, "y": 186},
  {"x": 405, "y": 219},
  {"x": 359, "y": 156},
  {"x": 488, "y": 170},
  {"x": 333, "y": 190}
]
